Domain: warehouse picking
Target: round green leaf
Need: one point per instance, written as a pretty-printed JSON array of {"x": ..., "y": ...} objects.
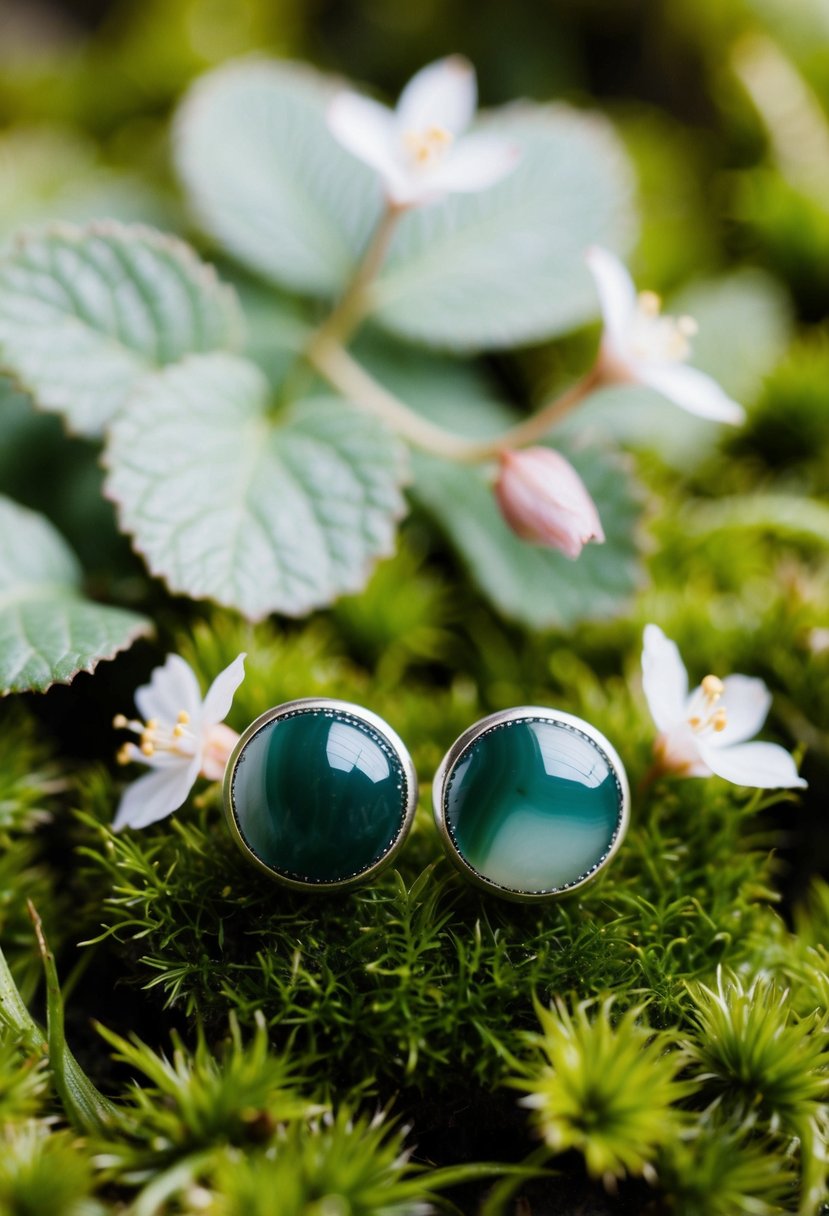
[
  {"x": 506, "y": 266},
  {"x": 268, "y": 181},
  {"x": 48, "y": 631},
  {"x": 86, "y": 312},
  {"x": 259, "y": 515}
]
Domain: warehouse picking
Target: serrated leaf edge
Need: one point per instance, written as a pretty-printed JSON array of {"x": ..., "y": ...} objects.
[
  {"x": 203, "y": 273},
  {"x": 141, "y": 629},
  {"x": 403, "y": 475}
]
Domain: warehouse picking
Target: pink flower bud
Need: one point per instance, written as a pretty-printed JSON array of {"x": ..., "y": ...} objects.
[{"x": 544, "y": 500}]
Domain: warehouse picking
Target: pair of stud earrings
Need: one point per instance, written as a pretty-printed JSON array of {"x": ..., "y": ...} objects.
[{"x": 530, "y": 803}]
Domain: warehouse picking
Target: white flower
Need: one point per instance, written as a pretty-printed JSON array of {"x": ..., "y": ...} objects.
[
  {"x": 706, "y": 732},
  {"x": 181, "y": 737},
  {"x": 641, "y": 345},
  {"x": 417, "y": 149}
]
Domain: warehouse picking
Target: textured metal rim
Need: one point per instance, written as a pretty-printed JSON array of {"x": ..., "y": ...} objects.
[
  {"x": 501, "y": 718},
  {"x": 292, "y": 709}
]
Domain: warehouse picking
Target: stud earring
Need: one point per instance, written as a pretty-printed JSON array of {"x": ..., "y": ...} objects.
[
  {"x": 320, "y": 794},
  {"x": 531, "y": 803}
]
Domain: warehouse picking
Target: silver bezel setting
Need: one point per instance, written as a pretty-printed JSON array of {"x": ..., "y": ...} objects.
[
  {"x": 531, "y": 713},
  {"x": 334, "y": 707}
]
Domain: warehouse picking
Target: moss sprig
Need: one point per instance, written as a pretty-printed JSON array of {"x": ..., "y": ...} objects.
[{"x": 607, "y": 1086}]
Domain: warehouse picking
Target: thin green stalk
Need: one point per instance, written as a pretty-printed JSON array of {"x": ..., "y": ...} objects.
[
  {"x": 359, "y": 387},
  {"x": 352, "y": 305}
]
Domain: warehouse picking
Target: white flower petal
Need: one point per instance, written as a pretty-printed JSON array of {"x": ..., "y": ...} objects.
[
  {"x": 746, "y": 702},
  {"x": 156, "y": 795},
  {"x": 678, "y": 752},
  {"x": 172, "y": 688},
  {"x": 664, "y": 678},
  {"x": 218, "y": 743},
  {"x": 617, "y": 294},
  {"x": 366, "y": 128},
  {"x": 691, "y": 389},
  {"x": 764, "y": 766},
  {"x": 408, "y": 189},
  {"x": 219, "y": 697},
  {"x": 474, "y": 163},
  {"x": 444, "y": 94}
]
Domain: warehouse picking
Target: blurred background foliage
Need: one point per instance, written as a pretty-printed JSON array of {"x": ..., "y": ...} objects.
[{"x": 723, "y": 106}]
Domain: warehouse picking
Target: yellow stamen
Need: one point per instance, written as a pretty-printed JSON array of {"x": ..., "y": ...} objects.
[
  {"x": 650, "y": 303},
  {"x": 124, "y": 754},
  {"x": 708, "y": 714},
  {"x": 156, "y": 736},
  {"x": 428, "y": 145},
  {"x": 659, "y": 337},
  {"x": 713, "y": 687}
]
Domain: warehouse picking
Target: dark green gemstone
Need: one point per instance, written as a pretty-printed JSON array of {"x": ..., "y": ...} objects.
[
  {"x": 318, "y": 795},
  {"x": 533, "y": 805}
]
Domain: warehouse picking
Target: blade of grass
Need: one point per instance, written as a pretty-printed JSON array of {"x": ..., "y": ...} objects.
[{"x": 84, "y": 1105}]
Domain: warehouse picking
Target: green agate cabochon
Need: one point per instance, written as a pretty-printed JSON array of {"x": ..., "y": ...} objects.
[
  {"x": 531, "y": 802},
  {"x": 320, "y": 793}
]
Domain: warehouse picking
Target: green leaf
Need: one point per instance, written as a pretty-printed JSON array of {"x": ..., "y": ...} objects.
[
  {"x": 48, "y": 631},
  {"x": 268, "y": 181},
  {"x": 534, "y": 586},
  {"x": 277, "y": 328},
  {"x": 87, "y": 1110},
  {"x": 745, "y": 325},
  {"x": 86, "y": 312},
  {"x": 263, "y": 516},
  {"x": 506, "y": 265}
]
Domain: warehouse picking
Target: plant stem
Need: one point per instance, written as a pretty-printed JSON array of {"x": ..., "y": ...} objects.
[
  {"x": 350, "y": 308},
  {"x": 539, "y": 423},
  {"x": 355, "y": 383}
]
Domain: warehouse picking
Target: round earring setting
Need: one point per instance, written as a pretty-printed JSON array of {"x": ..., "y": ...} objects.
[
  {"x": 531, "y": 803},
  {"x": 320, "y": 794}
]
